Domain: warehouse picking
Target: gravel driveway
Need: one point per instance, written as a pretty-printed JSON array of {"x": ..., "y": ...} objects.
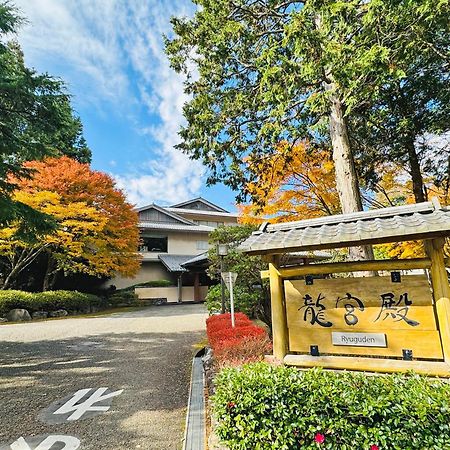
[{"x": 145, "y": 353}]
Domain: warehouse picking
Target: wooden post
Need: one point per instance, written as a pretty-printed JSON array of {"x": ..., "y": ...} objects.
[
  {"x": 197, "y": 287},
  {"x": 279, "y": 321},
  {"x": 180, "y": 287},
  {"x": 441, "y": 292}
]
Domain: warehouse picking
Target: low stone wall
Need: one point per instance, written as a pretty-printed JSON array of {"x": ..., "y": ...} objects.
[{"x": 171, "y": 293}]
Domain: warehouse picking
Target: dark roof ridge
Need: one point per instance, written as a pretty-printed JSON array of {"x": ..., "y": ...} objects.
[
  {"x": 201, "y": 199},
  {"x": 168, "y": 213}
]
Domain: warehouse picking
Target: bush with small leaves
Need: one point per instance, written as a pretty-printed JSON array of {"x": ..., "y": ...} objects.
[
  {"x": 48, "y": 301},
  {"x": 259, "y": 406},
  {"x": 245, "y": 300}
]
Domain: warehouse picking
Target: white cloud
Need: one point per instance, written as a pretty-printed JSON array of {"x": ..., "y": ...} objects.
[{"x": 103, "y": 41}]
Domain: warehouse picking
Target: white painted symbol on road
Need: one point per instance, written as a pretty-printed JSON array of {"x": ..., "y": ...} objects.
[
  {"x": 79, "y": 409},
  {"x": 70, "y": 443}
]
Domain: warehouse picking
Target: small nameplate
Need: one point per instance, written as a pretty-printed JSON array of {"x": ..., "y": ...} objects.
[{"x": 359, "y": 339}]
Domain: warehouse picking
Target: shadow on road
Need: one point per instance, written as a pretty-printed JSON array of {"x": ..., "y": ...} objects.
[{"x": 153, "y": 369}]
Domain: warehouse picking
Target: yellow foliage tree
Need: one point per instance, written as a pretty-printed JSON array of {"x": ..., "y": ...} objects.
[{"x": 291, "y": 184}]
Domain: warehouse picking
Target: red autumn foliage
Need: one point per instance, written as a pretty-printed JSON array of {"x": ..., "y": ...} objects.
[
  {"x": 244, "y": 343},
  {"x": 221, "y": 337}
]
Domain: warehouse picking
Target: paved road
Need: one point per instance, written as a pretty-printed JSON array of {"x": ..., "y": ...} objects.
[{"x": 146, "y": 353}]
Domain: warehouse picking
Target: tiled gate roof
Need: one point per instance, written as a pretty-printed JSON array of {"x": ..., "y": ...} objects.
[{"x": 419, "y": 221}]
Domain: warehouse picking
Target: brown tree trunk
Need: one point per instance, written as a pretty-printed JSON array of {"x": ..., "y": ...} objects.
[
  {"x": 416, "y": 174},
  {"x": 18, "y": 262},
  {"x": 8, "y": 280},
  {"x": 346, "y": 178},
  {"x": 50, "y": 275}
]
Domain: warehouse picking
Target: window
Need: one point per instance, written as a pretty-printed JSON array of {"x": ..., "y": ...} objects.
[
  {"x": 209, "y": 223},
  {"x": 154, "y": 244},
  {"x": 202, "y": 245}
]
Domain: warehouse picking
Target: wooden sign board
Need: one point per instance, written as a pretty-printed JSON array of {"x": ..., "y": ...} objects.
[{"x": 363, "y": 316}]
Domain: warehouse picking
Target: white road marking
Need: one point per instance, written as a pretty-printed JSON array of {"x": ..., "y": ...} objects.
[
  {"x": 70, "y": 443},
  {"x": 80, "y": 409}
]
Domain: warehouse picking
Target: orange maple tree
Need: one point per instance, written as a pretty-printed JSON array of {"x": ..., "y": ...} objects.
[
  {"x": 97, "y": 230},
  {"x": 292, "y": 184}
]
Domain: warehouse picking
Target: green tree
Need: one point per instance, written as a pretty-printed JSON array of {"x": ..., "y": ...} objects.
[
  {"x": 407, "y": 120},
  {"x": 250, "y": 293},
  {"x": 274, "y": 70},
  {"x": 36, "y": 120}
]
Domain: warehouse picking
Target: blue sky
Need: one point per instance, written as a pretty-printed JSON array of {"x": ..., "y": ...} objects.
[{"x": 110, "y": 54}]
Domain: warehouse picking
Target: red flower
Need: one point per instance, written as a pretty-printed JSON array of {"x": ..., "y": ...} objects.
[
  {"x": 374, "y": 447},
  {"x": 319, "y": 438},
  {"x": 231, "y": 405}
]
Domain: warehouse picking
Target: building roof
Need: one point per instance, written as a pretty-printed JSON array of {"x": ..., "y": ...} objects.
[
  {"x": 200, "y": 200},
  {"x": 419, "y": 221},
  {"x": 201, "y": 212},
  {"x": 290, "y": 258},
  {"x": 174, "y": 227},
  {"x": 195, "y": 259},
  {"x": 166, "y": 212},
  {"x": 173, "y": 263}
]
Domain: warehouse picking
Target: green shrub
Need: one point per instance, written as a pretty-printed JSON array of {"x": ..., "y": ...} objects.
[
  {"x": 245, "y": 301},
  {"x": 263, "y": 407},
  {"x": 14, "y": 299},
  {"x": 69, "y": 300},
  {"x": 155, "y": 283},
  {"x": 48, "y": 301},
  {"x": 123, "y": 297}
]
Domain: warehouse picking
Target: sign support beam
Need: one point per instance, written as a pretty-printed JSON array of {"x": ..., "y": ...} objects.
[
  {"x": 353, "y": 266},
  {"x": 279, "y": 319},
  {"x": 441, "y": 292}
]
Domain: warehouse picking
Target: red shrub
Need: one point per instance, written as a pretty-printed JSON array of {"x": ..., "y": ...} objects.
[
  {"x": 239, "y": 333},
  {"x": 237, "y": 352},
  {"x": 226, "y": 318},
  {"x": 224, "y": 325},
  {"x": 245, "y": 342}
]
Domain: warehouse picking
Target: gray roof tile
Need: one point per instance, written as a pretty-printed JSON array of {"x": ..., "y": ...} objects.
[
  {"x": 174, "y": 263},
  {"x": 419, "y": 221}
]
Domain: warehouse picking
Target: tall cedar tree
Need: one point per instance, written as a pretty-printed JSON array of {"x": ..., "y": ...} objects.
[
  {"x": 263, "y": 72},
  {"x": 36, "y": 120},
  {"x": 97, "y": 230},
  {"x": 408, "y": 120}
]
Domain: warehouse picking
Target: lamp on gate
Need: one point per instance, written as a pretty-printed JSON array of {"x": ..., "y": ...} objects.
[{"x": 222, "y": 251}]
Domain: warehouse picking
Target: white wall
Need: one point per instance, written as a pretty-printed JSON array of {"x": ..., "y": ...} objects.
[
  {"x": 171, "y": 293},
  {"x": 149, "y": 271},
  {"x": 185, "y": 243}
]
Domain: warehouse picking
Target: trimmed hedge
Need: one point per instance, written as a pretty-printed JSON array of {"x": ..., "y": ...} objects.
[
  {"x": 123, "y": 297},
  {"x": 259, "y": 406},
  {"x": 48, "y": 301},
  {"x": 155, "y": 283}
]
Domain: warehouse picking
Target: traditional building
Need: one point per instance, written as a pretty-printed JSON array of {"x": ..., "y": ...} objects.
[{"x": 171, "y": 237}]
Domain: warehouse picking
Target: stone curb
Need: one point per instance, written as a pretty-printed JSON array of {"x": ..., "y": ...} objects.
[{"x": 195, "y": 430}]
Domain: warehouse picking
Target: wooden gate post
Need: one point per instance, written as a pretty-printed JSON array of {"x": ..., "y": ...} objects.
[
  {"x": 278, "y": 304},
  {"x": 441, "y": 292}
]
